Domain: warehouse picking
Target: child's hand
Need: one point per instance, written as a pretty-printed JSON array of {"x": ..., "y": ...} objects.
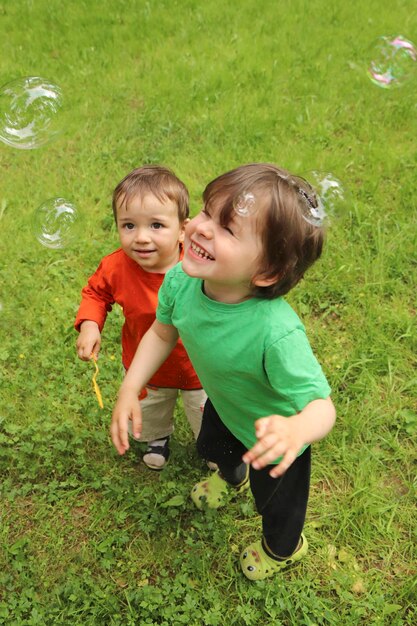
[
  {"x": 277, "y": 436},
  {"x": 127, "y": 408},
  {"x": 89, "y": 340}
]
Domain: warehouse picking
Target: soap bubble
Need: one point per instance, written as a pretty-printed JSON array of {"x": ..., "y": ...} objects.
[
  {"x": 394, "y": 61},
  {"x": 312, "y": 208},
  {"x": 244, "y": 204},
  {"x": 29, "y": 110},
  {"x": 332, "y": 197},
  {"x": 54, "y": 223}
]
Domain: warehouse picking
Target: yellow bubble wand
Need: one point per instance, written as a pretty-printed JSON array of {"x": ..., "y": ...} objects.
[{"x": 95, "y": 385}]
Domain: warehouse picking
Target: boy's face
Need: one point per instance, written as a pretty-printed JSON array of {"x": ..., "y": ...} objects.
[
  {"x": 150, "y": 232},
  {"x": 225, "y": 257}
]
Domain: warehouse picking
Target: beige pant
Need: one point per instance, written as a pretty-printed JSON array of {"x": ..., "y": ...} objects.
[{"x": 158, "y": 411}]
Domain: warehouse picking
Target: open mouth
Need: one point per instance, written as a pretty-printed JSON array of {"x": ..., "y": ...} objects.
[{"x": 200, "y": 252}]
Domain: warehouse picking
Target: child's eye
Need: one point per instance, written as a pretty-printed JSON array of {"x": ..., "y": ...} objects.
[
  {"x": 229, "y": 230},
  {"x": 129, "y": 226},
  {"x": 157, "y": 225}
]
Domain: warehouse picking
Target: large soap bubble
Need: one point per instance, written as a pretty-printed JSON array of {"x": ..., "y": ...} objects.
[
  {"x": 29, "y": 110},
  {"x": 332, "y": 197},
  {"x": 55, "y": 223},
  {"x": 394, "y": 62}
]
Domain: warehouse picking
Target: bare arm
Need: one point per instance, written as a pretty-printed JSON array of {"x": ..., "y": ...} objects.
[
  {"x": 156, "y": 345},
  {"x": 285, "y": 436}
]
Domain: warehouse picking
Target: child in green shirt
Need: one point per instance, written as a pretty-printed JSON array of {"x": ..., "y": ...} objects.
[{"x": 259, "y": 231}]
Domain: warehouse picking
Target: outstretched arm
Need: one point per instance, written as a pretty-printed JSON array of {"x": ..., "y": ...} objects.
[
  {"x": 153, "y": 350},
  {"x": 285, "y": 436}
]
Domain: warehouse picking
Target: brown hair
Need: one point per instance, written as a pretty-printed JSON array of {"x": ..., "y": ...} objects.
[
  {"x": 157, "y": 180},
  {"x": 291, "y": 244}
]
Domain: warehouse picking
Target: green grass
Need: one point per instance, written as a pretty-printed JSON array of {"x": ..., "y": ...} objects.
[{"x": 90, "y": 538}]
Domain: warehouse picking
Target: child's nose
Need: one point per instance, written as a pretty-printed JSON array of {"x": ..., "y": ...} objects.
[
  {"x": 142, "y": 234},
  {"x": 205, "y": 229}
]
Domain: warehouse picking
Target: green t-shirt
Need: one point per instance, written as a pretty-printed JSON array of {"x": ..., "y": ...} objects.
[{"x": 253, "y": 358}]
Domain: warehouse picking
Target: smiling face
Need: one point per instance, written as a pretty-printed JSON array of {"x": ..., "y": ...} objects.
[
  {"x": 252, "y": 238},
  {"x": 150, "y": 231},
  {"x": 226, "y": 257}
]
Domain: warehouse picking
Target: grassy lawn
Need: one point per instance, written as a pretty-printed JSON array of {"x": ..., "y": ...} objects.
[{"x": 90, "y": 538}]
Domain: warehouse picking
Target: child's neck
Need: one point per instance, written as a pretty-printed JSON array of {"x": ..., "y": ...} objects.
[{"x": 225, "y": 293}]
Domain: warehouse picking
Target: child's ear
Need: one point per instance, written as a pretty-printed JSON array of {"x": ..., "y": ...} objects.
[
  {"x": 260, "y": 280},
  {"x": 182, "y": 230}
]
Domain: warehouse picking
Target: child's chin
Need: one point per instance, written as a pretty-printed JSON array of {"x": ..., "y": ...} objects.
[{"x": 190, "y": 270}]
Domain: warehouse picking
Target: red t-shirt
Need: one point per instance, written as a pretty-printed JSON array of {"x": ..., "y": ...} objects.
[{"x": 120, "y": 279}]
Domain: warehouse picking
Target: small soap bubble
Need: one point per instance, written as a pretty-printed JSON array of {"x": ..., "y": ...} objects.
[
  {"x": 55, "y": 222},
  {"x": 312, "y": 208},
  {"x": 332, "y": 198},
  {"x": 394, "y": 62},
  {"x": 29, "y": 109},
  {"x": 244, "y": 204}
]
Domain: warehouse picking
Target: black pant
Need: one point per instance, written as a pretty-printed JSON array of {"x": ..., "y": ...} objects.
[{"x": 282, "y": 502}]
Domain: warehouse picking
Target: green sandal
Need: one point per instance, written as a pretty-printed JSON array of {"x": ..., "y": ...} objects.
[
  {"x": 257, "y": 565},
  {"x": 213, "y": 491}
]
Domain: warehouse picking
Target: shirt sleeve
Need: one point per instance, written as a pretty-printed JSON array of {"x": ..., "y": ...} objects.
[
  {"x": 165, "y": 301},
  {"x": 96, "y": 299},
  {"x": 294, "y": 371}
]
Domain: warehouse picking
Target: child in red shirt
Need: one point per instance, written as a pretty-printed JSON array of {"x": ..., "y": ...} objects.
[{"x": 151, "y": 208}]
